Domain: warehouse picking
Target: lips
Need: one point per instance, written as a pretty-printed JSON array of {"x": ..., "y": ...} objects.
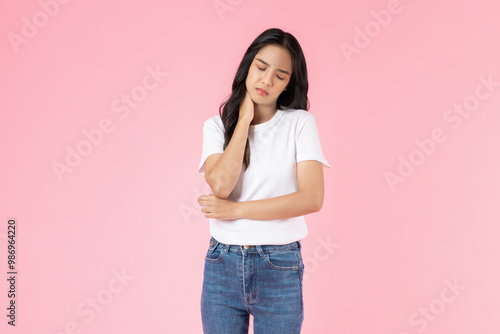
[{"x": 262, "y": 92}]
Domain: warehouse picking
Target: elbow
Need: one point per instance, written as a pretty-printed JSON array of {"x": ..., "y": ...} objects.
[
  {"x": 317, "y": 205},
  {"x": 313, "y": 201},
  {"x": 217, "y": 190},
  {"x": 220, "y": 193}
]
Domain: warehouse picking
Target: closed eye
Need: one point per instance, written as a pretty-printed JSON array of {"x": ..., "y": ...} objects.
[{"x": 263, "y": 69}]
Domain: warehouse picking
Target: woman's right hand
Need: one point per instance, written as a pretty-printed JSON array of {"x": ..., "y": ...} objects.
[{"x": 247, "y": 108}]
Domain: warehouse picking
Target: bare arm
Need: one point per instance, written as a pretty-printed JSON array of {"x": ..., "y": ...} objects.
[
  {"x": 281, "y": 207},
  {"x": 308, "y": 199},
  {"x": 225, "y": 172},
  {"x": 222, "y": 172}
]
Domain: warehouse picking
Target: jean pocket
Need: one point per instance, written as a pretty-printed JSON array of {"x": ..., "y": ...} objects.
[
  {"x": 290, "y": 259},
  {"x": 214, "y": 253}
]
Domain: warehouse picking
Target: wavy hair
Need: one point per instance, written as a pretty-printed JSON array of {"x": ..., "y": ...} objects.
[{"x": 294, "y": 97}]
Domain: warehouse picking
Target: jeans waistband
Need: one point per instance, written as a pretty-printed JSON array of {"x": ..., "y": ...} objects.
[{"x": 253, "y": 248}]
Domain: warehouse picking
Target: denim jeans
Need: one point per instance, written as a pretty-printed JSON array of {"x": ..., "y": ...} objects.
[{"x": 264, "y": 281}]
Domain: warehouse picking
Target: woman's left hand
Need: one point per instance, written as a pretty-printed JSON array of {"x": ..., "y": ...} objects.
[{"x": 217, "y": 208}]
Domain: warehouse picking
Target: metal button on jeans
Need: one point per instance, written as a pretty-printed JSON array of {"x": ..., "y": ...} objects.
[{"x": 264, "y": 280}]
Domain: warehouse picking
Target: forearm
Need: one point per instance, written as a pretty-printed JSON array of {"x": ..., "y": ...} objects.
[
  {"x": 225, "y": 173},
  {"x": 281, "y": 207}
]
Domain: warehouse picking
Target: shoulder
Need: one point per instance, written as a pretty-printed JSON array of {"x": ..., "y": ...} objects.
[
  {"x": 298, "y": 116},
  {"x": 300, "y": 113},
  {"x": 214, "y": 121}
]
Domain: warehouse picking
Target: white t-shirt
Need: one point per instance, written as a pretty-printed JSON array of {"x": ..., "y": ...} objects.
[{"x": 275, "y": 148}]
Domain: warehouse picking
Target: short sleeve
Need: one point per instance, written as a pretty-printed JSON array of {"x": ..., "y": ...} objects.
[
  {"x": 213, "y": 140},
  {"x": 308, "y": 145}
]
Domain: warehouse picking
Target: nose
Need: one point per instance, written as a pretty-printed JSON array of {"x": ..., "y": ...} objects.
[{"x": 267, "y": 78}]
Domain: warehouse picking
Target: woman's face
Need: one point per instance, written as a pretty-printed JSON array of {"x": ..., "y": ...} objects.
[{"x": 271, "y": 70}]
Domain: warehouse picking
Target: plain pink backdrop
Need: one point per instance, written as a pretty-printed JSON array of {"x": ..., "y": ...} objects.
[{"x": 115, "y": 244}]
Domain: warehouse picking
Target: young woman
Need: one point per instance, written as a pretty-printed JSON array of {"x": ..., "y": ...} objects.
[{"x": 263, "y": 161}]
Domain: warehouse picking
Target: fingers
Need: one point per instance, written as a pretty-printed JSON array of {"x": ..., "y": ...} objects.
[
  {"x": 205, "y": 197},
  {"x": 205, "y": 202}
]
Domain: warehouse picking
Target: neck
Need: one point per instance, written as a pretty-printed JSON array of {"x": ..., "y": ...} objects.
[{"x": 263, "y": 114}]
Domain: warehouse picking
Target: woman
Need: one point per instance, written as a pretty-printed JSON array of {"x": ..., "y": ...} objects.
[{"x": 263, "y": 161}]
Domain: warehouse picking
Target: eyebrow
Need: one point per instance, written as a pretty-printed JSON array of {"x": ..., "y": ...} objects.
[{"x": 283, "y": 71}]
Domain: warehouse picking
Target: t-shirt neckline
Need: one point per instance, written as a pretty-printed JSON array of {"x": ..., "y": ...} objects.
[{"x": 266, "y": 125}]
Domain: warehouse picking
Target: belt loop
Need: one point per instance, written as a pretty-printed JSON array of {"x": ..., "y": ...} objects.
[
  {"x": 299, "y": 245},
  {"x": 225, "y": 248},
  {"x": 261, "y": 252}
]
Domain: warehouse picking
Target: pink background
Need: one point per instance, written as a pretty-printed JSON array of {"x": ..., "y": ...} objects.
[{"x": 379, "y": 258}]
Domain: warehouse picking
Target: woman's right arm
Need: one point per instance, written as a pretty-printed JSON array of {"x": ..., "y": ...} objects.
[{"x": 222, "y": 171}]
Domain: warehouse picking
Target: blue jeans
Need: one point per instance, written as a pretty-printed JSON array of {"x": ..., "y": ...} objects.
[{"x": 264, "y": 281}]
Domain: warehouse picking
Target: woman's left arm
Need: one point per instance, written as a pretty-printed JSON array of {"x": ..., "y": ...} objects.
[{"x": 308, "y": 199}]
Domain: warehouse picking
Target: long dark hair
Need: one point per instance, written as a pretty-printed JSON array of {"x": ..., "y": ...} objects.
[{"x": 294, "y": 97}]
